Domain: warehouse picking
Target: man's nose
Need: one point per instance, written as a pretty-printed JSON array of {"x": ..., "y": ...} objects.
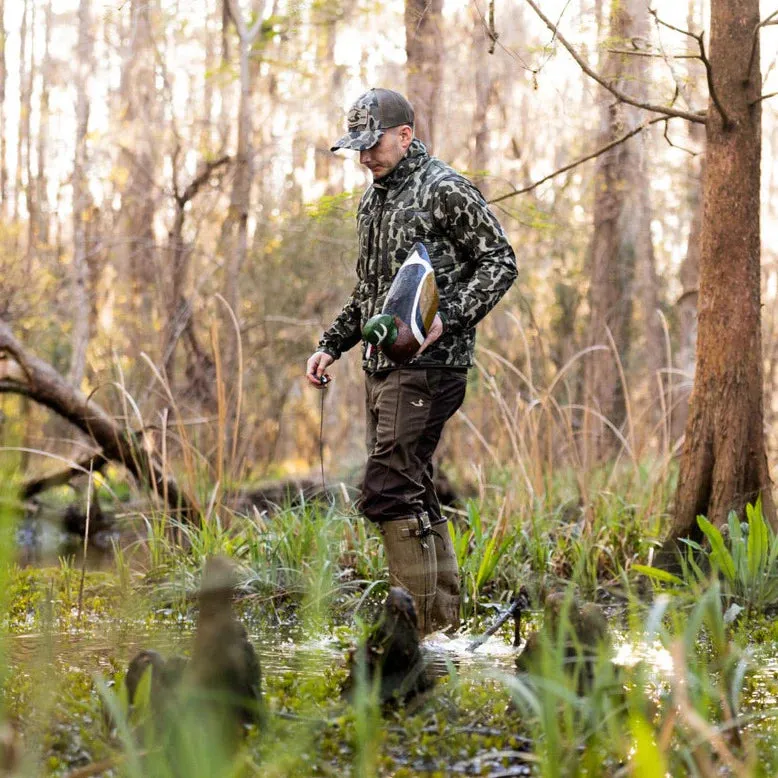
[{"x": 364, "y": 157}]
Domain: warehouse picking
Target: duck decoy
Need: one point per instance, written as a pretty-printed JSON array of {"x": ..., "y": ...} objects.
[
  {"x": 224, "y": 672},
  {"x": 409, "y": 309},
  {"x": 584, "y": 630},
  {"x": 393, "y": 653}
]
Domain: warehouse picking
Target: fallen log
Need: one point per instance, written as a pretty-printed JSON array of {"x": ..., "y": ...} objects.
[
  {"x": 94, "y": 463},
  {"x": 25, "y": 374},
  {"x": 279, "y": 493}
]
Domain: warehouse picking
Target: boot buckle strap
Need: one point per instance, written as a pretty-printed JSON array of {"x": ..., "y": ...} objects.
[{"x": 422, "y": 531}]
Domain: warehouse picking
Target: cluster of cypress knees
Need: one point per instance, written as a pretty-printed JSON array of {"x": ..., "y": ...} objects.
[{"x": 222, "y": 679}]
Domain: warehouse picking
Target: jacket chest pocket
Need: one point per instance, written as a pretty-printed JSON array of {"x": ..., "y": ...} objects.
[{"x": 403, "y": 227}]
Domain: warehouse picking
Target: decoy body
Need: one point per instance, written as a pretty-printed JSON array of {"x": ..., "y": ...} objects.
[
  {"x": 224, "y": 670},
  {"x": 163, "y": 690},
  {"x": 585, "y": 634},
  {"x": 410, "y": 306},
  {"x": 392, "y": 652}
]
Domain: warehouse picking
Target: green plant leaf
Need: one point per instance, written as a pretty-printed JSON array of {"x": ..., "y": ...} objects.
[
  {"x": 648, "y": 761},
  {"x": 719, "y": 555},
  {"x": 657, "y": 574},
  {"x": 757, "y": 543}
]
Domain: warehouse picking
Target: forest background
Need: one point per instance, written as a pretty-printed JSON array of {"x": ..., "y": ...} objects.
[{"x": 166, "y": 182}]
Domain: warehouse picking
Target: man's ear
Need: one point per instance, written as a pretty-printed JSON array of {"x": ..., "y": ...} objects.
[{"x": 406, "y": 135}]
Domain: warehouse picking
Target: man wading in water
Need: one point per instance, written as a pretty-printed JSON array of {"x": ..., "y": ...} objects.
[{"x": 414, "y": 197}]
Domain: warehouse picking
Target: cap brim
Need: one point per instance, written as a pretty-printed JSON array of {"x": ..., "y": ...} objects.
[{"x": 358, "y": 141}]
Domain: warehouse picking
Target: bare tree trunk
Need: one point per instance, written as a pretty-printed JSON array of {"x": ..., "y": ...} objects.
[
  {"x": 3, "y": 142},
  {"x": 483, "y": 98},
  {"x": 234, "y": 237},
  {"x": 24, "y": 116},
  {"x": 81, "y": 307},
  {"x": 621, "y": 243},
  {"x": 178, "y": 305},
  {"x": 25, "y": 126},
  {"x": 210, "y": 62},
  {"x": 598, "y": 17},
  {"x": 225, "y": 114},
  {"x": 138, "y": 157},
  {"x": 424, "y": 63},
  {"x": 41, "y": 228},
  {"x": 724, "y": 464},
  {"x": 689, "y": 274}
]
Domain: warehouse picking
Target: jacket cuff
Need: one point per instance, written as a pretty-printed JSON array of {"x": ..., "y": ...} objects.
[
  {"x": 446, "y": 319},
  {"x": 334, "y": 353}
]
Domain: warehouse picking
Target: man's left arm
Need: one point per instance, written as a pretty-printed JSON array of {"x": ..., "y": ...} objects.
[{"x": 460, "y": 209}]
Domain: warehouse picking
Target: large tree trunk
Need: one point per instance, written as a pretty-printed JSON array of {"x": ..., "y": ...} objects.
[
  {"x": 424, "y": 51},
  {"x": 79, "y": 278},
  {"x": 724, "y": 464},
  {"x": 621, "y": 243}
]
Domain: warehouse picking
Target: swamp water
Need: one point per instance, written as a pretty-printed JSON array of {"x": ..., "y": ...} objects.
[
  {"x": 468, "y": 730},
  {"x": 469, "y": 726}
]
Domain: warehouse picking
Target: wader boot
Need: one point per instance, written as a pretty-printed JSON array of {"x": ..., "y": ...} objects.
[
  {"x": 410, "y": 555},
  {"x": 445, "y": 607}
]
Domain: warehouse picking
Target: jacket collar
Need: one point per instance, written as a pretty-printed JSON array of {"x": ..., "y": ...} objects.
[{"x": 414, "y": 158}]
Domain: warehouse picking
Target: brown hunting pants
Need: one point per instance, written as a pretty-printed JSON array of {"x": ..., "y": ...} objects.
[{"x": 406, "y": 411}]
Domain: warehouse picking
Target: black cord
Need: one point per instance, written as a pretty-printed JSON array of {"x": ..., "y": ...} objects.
[{"x": 321, "y": 439}]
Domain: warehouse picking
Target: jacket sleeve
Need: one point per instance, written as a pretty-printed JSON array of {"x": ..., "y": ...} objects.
[
  {"x": 345, "y": 332},
  {"x": 462, "y": 213}
]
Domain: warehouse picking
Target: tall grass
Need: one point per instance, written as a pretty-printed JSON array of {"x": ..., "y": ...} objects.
[{"x": 696, "y": 725}]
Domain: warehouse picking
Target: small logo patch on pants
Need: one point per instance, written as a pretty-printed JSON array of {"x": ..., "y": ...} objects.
[{"x": 417, "y": 403}]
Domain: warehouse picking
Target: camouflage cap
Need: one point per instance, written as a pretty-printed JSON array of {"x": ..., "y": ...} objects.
[{"x": 373, "y": 112}]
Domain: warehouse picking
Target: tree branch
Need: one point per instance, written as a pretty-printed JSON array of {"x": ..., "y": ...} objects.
[
  {"x": 25, "y": 374},
  {"x": 768, "y": 21},
  {"x": 700, "y": 38},
  {"x": 580, "y": 161},
  {"x": 200, "y": 179},
  {"x": 94, "y": 463},
  {"x": 625, "y": 98},
  {"x": 245, "y": 34},
  {"x": 655, "y": 54},
  {"x": 711, "y": 88},
  {"x": 675, "y": 145},
  {"x": 653, "y": 13},
  {"x": 492, "y": 29},
  {"x": 763, "y": 97}
]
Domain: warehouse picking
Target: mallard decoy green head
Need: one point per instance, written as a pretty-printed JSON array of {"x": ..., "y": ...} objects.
[{"x": 380, "y": 330}]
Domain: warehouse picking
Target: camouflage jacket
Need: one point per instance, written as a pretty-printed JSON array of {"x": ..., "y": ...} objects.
[{"x": 423, "y": 199}]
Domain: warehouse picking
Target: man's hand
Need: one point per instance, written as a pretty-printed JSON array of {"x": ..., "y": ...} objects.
[
  {"x": 436, "y": 330},
  {"x": 314, "y": 370}
]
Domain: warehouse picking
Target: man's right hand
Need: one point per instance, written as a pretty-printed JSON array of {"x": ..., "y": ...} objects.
[{"x": 314, "y": 370}]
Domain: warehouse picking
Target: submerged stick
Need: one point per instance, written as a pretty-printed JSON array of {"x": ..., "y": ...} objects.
[{"x": 519, "y": 603}]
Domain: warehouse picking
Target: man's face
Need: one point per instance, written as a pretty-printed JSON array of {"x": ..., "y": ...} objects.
[{"x": 384, "y": 156}]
